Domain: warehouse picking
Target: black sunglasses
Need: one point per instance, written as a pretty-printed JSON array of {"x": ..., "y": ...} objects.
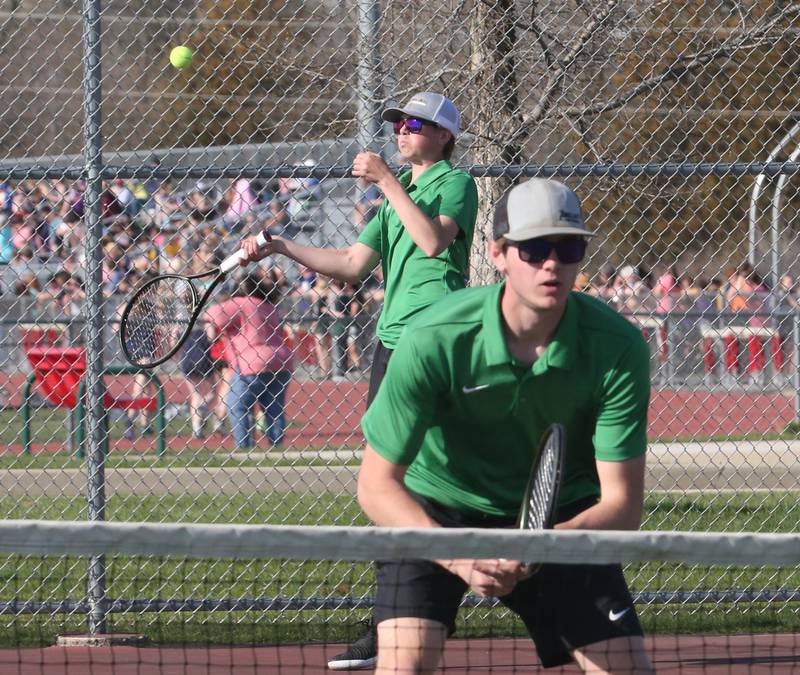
[
  {"x": 568, "y": 251},
  {"x": 413, "y": 124}
]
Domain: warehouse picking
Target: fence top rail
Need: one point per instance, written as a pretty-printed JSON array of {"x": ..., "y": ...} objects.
[{"x": 610, "y": 169}]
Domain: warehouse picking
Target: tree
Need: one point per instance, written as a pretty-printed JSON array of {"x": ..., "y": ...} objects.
[
  {"x": 612, "y": 81},
  {"x": 253, "y": 77}
]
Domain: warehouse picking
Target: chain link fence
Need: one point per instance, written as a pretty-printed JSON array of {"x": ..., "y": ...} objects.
[{"x": 676, "y": 123}]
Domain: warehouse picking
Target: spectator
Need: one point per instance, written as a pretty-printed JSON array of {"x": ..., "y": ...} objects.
[
  {"x": 632, "y": 295},
  {"x": 204, "y": 199},
  {"x": 196, "y": 363},
  {"x": 261, "y": 361},
  {"x": 241, "y": 200},
  {"x": 666, "y": 290},
  {"x": 27, "y": 289},
  {"x": 367, "y": 203},
  {"x": 342, "y": 305},
  {"x": 170, "y": 245},
  {"x": 6, "y": 197},
  {"x": 6, "y": 236},
  {"x": 23, "y": 262},
  {"x": 355, "y": 328},
  {"x": 787, "y": 292},
  {"x": 708, "y": 302},
  {"x": 303, "y": 308},
  {"x": 304, "y": 194},
  {"x": 583, "y": 283},
  {"x": 278, "y": 218},
  {"x": 24, "y": 232},
  {"x": 140, "y": 194},
  {"x": 21, "y": 203},
  {"x": 109, "y": 206},
  {"x": 372, "y": 295},
  {"x": 115, "y": 267},
  {"x": 166, "y": 202},
  {"x": 747, "y": 283},
  {"x": 124, "y": 197},
  {"x": 606, "y": 277},
  {"x": 321, "y": 326},
  {"x": 735, "y": 278},
  {"x": 48, "y": 228},
  {"x": 53, "y": 300}
]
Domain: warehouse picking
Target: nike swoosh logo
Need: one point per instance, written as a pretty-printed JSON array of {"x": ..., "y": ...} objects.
[
  {"x": 469, "y": 390},
  {"x": 616, "y": 616}
]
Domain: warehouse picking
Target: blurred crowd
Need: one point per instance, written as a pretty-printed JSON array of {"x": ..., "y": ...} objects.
[
  {"x": 662, "y": 290},
  {"x": 156, "y": 226},
  {"x": 152, "y": 227}
]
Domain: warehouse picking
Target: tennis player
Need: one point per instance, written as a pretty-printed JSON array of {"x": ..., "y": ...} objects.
[
  {"x": 421, "y": 235},
  {"x": 473, "y": 384}
]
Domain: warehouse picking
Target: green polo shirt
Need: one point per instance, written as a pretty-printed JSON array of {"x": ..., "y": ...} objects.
[
  {"x": 466, "y": 418},
  {"x": 413, "y": 280}
]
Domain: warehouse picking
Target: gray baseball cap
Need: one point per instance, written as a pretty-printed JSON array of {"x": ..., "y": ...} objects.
[
  {"x": 539, "y": 208},
  {"x": 428, "y": 106}
]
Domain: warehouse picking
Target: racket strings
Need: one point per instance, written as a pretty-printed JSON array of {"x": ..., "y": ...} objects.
[
  {"x": 158, "y": 319},
  {"x": 544, "y": 485}
]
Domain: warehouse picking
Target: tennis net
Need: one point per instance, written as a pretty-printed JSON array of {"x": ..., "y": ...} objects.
[{"x": 146, "y": 598}]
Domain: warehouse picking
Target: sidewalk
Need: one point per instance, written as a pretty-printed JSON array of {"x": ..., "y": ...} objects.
[{"x": 713, "y": 467}]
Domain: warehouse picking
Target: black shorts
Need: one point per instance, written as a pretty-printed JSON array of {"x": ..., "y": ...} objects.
[
  {"x": 564, "y": 607},
  {"x": 380, "y": 362},
  {"x": 195, "y": 360}
]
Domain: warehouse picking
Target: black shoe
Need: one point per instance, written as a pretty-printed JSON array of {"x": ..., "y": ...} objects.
[{"x": 362, "y": 654}]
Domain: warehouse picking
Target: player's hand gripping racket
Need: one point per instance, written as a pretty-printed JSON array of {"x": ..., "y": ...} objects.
[
  {"x": 161, "y": 314},
  {"x": 539, "y": 506}
]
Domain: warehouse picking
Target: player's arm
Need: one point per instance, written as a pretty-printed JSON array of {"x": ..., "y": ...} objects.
[
  {"x": 350, "y": 264},
  {"x": 620, "y": 442},
  {"x": 383, "y": 496},
  {"x": 431, "y": 235},
  {"x": 621, "y": 499},
  {"x": 385, "y": 500}
]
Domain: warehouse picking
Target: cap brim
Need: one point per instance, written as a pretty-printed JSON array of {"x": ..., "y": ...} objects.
[
  {"x": 539, "y": 232},
  {"x": 396, "y": 114}
]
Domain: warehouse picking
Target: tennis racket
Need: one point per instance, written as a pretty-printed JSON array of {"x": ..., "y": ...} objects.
[
  {"x": 539, "y": 506},
  {"x": 162, "y": 313}
]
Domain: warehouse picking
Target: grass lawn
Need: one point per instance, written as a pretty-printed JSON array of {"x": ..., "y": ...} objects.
[{"x": 60, "y": 578}]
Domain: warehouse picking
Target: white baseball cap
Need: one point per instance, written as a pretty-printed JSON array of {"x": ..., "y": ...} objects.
[
  {"x": 539, "y": 208},
  {"x": 428, "y": 106}
]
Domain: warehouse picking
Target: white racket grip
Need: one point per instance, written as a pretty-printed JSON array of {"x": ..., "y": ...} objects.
[{"x": 232, "y": 261}]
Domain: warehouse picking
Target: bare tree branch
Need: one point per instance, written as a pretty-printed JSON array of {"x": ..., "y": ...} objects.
[
  {"x": 758, "y": 36},
  {"x": 539, "y": 34},
  {"x": 559, "y": 73}
]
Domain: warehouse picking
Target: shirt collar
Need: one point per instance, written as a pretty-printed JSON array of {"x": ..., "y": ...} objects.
[
  {"x": 431, "y": 174},
  {"x": 560, "y": 353},
  {"x": 494, "y": 336}
]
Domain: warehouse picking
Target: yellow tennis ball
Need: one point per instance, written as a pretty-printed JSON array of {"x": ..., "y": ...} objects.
[{"x": 180, "y": 57}]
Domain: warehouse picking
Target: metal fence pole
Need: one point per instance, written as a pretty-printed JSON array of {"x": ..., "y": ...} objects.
[
  {"x": 96, "y": 420},
  {"x": 752, "y": 232},
  {"x": 369, "y": 82},
  {"x": 796, "y": 363}
]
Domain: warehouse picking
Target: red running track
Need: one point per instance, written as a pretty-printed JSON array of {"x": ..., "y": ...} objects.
[
  {"x": 715, "y": 655},
  {"x": 328, "y": 413}
]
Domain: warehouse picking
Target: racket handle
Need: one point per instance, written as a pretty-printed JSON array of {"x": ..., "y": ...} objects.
[{"x": 232, "y": 261}]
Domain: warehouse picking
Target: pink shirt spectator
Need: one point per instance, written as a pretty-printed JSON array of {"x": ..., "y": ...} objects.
[
  {"x": 255, "y": 339},
  {"x": 244, "y": 199},
  {"x": 23, "y": 235},
  {"x": 665, "y": 290}
]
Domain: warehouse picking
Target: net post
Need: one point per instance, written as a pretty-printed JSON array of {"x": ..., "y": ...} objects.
[{"x": 96, "y": 415}]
